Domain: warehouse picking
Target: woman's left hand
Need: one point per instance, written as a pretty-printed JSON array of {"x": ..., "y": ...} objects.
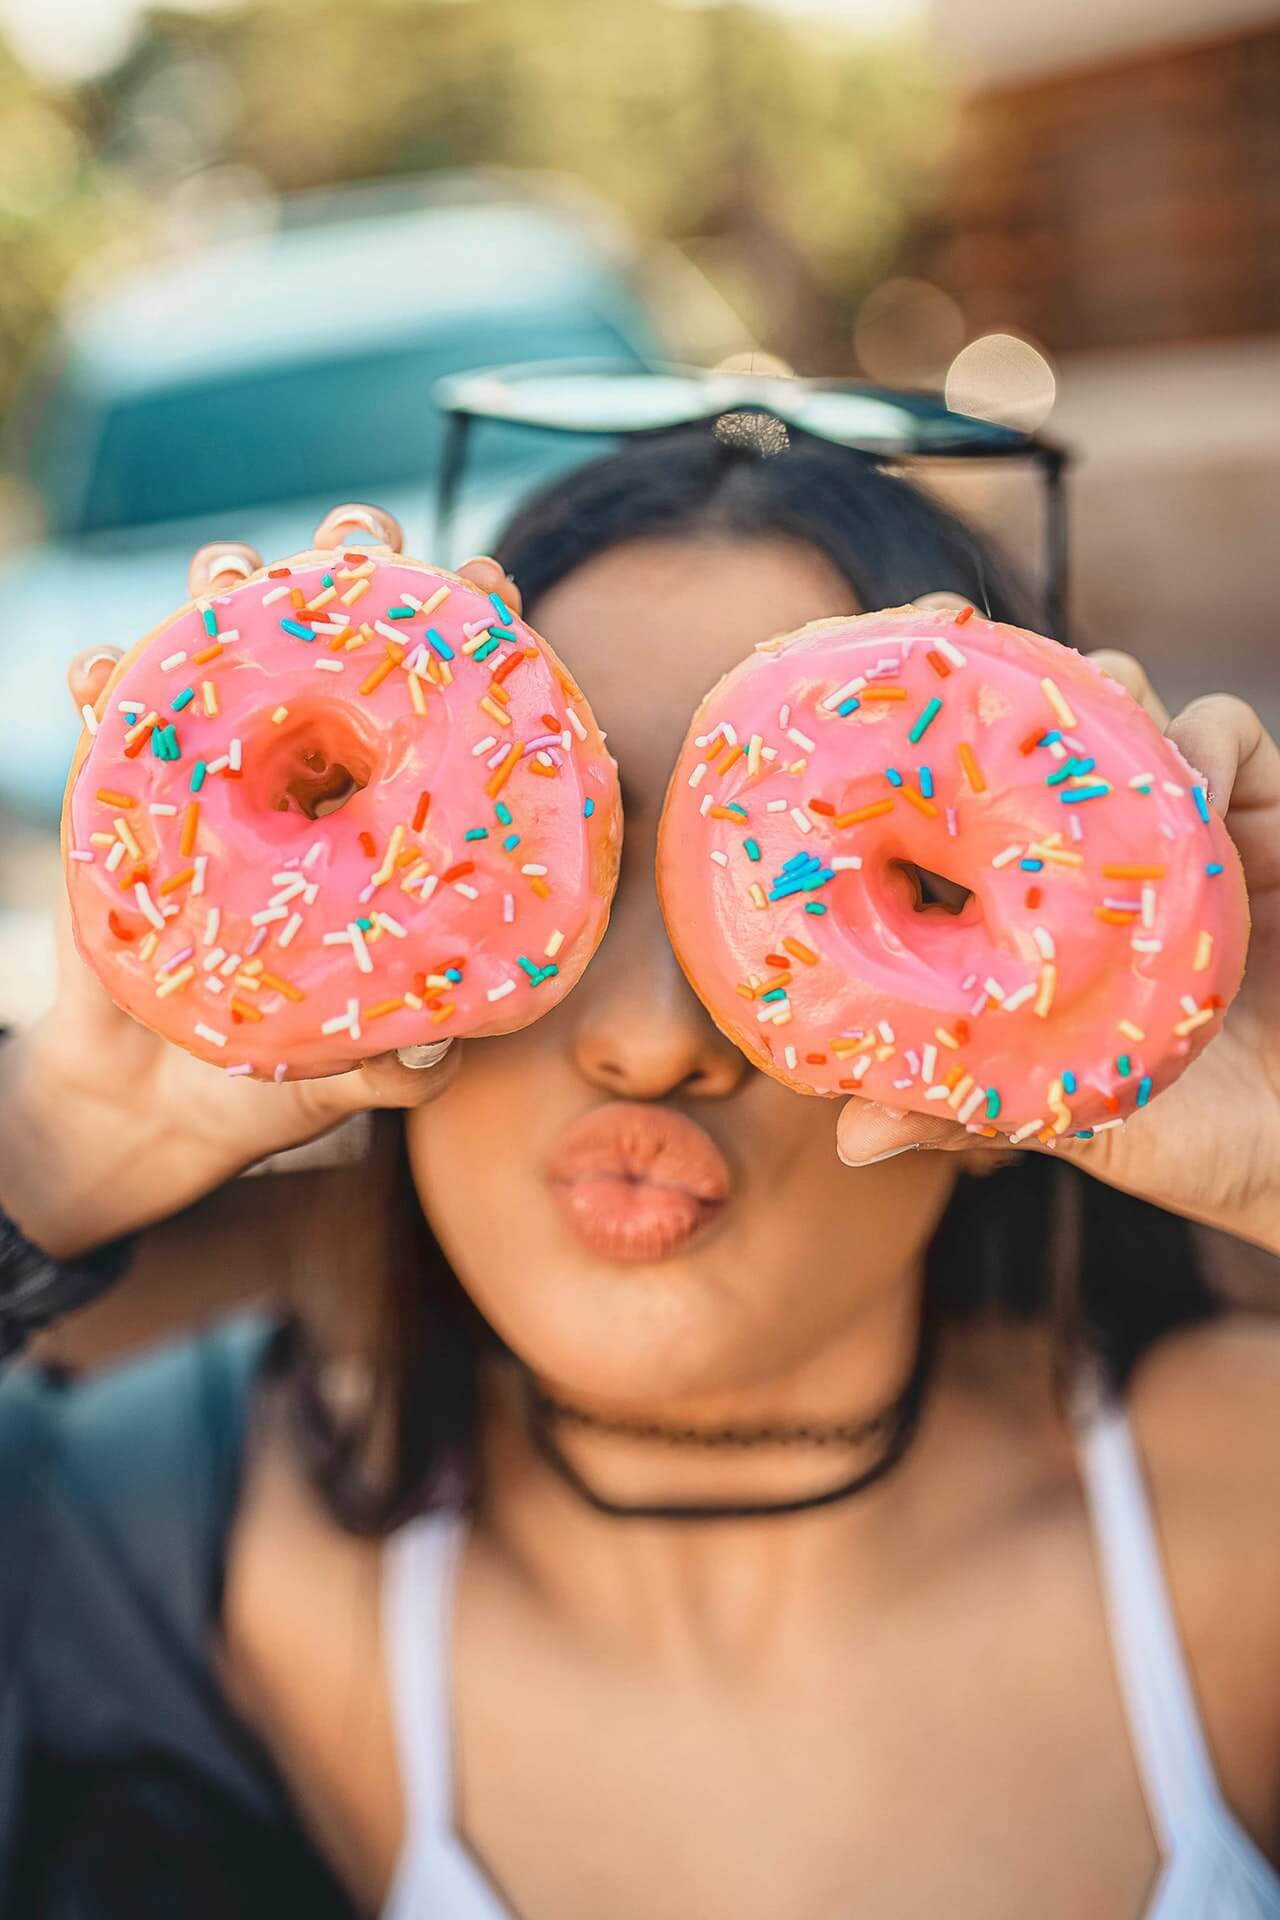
[{"x": 1209, "y": 1147}]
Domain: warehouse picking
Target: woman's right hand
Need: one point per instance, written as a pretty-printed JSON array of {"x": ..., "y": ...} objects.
[{"x": 105, "y": 1127}]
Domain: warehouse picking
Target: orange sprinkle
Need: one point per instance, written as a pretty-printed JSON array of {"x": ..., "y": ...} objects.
[
  {"x": 570, "y": 685},
  {"x": 550, "y": 722},
  {"x": 859, "y": 814},
  {"x": 279, "y": 573},
  {"x": 500, "y": 693},
  {"x": 953, "y": 1076},
  {"x": 823, "y": 807},
  {"x": 536, "y": 766},
  {"x": 241, "y": 1010},
  {"x": 1133, "y": 873},
  {"x": 383, "y": 1006},
  {"x": 509, "y": 665},
  {"x": 502, "y": 772},
  {"x": 801, "y": 952},
  {"x": 368, "y": 845},
  {"x": 540, "y": 887},
  {"x": 190, "y": 824},
  {"x": 442, "y": 1013},
  {"x": 458, "y": 872},
  {"x": 724, "y": 813},
  {"x": 965, "y": 613},
  {"x": 1034, "y": 896},
  {"x": 815, "y": 1059},
  {"x": 177, "y": 880},
  {"x": 882, "y": 693},
  {"x": 420, "y": 811},
  {"x": 337, "y": 641},
  {"x": 734, "y": 753},
  {"x": 919, "y": 802},
  {"x": 379, "y": 674},
  {"x": 776, "y": 960},
  {"x": 1031, "y": 742},
  {"x": 110, "y": 799},
  {"x": 960, "y": 1028},
  {"x": 972, "y": 771},
  {"x": 774, "y": 980},
  {"x": 938, "y": 664},
  {"x": 298, "y": 598},
  {"x": 1113, "y": 918},
  {"x": 205, "y": 655}
]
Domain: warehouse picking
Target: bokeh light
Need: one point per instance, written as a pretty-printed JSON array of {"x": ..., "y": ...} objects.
[
  {"x": 1004, "y": 378},
  {"x": 907, "y": 333}
]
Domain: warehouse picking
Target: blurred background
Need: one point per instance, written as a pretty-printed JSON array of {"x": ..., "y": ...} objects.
[{"x": 238, "y": 243}]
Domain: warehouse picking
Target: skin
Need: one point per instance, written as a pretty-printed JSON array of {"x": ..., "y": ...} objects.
[{"x": 912, "y": 1694}]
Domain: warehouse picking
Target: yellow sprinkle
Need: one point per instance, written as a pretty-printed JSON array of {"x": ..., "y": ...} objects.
[
  {"x": 1048, "y": 987},
  {"x": 322, "y": 599},
  {"x": 352, "y": 594},
  {"x": 209, "y": 694},
  {"x": 757, "y": 893},
  {"x": 125, "y": 833},
  {"x": 947, "y": 1039},
  {"x": 416, "y": 694},
  {"x": 174, "y": 981},
  {"x": 1054, "y": 695},
  {"x": 390, "y": 857},
  {"x": 960, "y": 1089},
  {"x": 1204, "y": 951},
  {"x": 1130, "y": 1032},
  {"x": 149, "y": 945},
  {"x": 1192, "y": 1021},
  {"x": 437, "y": 599},
  {"x": 553, "y": 945},
  {"x": 281, "y": 713},
  {"x": 102, "y": 840},
  {"x": 495, "y": 712}
]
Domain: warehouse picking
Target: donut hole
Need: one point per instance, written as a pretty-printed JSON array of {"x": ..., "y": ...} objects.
[
  {"x": 931, "y": 892},
  {"x": 313, "y": 764}
]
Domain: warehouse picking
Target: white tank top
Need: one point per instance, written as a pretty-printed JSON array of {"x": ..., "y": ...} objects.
[{"x": 1210, "y": 1868}]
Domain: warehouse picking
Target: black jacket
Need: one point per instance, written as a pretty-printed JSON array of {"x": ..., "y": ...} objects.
[{"x": 127, "y": 1784}]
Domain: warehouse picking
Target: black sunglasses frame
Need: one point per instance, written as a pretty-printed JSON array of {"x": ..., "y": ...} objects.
[{"x": 1050, "y": 459}]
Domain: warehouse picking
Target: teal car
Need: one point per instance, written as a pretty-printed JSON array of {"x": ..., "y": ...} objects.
[{"x": 240, "y": 392}]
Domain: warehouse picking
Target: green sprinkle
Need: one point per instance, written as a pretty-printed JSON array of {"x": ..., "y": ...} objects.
[
  {"x": 476, "y": 833},
  {"x": 400, "y": 613},
  {"x": 365, "y": 924},
  {"x": 501, "y": 633},
  {"x": 197, "y": 776},
  {"x": 210, "y": 623},
  {"x": 814, "y": 906},
  {"x": 930, "y": 714},
  {"x": 1123, "y": 1067},
  {"x": 753, "y": 849},
  {"x": 483, "y": 652},
  {"x": 778, "y": 993},
  {"x": 504, "y": 813},
  {"x": 993, "y": 1104},
  {"x": 184, "y": 699},
  {"x": 326, "y": 580}
]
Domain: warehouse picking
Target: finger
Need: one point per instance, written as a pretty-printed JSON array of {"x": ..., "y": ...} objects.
[
  {"x": 1224, "y": 740},
  {"x": 221, "y": 564},
  {"x": 386, "y": 1081},
  {"x": 487, "y": 574},
  {"x": 89, "y": 672},
  {"x": 1132, "y": 676},
  {"x": 867, "y": 1133},
  {"x": 941, "y": 600},
  {"x": 357, "y": 521}
]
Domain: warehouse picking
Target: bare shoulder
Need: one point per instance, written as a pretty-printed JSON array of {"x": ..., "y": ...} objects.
[{"x": 1205, "y": 1404}]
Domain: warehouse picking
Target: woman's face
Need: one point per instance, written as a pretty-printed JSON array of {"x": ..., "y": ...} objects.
[{"x": 641, "y": 1215}]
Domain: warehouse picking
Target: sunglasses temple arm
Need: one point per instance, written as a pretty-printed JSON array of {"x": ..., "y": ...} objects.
[
  {"x": 453, "y": 456},
  {"x": 1055, "y": 465}
]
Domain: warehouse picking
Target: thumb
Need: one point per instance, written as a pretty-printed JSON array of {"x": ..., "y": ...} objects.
[
  {"x": 867, "y": 1133},
  {"x": 414, "y": 1077}
]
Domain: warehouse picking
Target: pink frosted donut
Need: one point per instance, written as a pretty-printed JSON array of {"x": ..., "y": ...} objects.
[
  {"x": 348, "y": 805},
  {"x": 1106, "y": 926}
]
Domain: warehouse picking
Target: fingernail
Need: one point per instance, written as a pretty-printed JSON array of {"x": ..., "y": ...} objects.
[
  {"x": 890, "y": 1153},
  {"x": 420, "y": 1057},
  {"x": 86, "y": 666}
]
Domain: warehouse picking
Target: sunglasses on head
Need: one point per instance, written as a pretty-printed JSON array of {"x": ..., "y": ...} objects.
[{"x": 614, "y": 401}]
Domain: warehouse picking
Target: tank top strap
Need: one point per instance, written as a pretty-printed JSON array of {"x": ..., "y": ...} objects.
[
  {"x": 420, "y": 1562},
  {"x": 1164, "y": 1721}
]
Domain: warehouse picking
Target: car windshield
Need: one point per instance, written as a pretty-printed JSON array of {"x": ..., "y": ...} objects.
[{"x": 343, "y": 426}]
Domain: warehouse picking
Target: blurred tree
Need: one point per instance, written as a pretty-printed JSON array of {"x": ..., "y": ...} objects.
[{"x": 786, "y": 157}]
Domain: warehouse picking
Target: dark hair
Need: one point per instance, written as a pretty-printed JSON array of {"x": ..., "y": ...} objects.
[{"x": 1038, "y": 1240}]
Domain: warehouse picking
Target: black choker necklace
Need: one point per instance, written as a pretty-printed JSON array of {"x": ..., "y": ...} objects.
[{"x": 896, "y": 1423}]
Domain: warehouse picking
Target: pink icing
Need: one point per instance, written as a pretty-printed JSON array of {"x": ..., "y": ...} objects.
[
  {"x": 193, "y": 942},
  {"x": 1063, "y": 995}
]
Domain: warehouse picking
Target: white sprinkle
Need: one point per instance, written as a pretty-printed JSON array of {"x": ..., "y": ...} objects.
[
  {"x": 500, "y": 993},
  {"x": 721, "y": 859},
  {"x": 243, "y": 1067},
  {"x": 89, "y": 717},
  {"x": 1025, "y": 1133},
  {"x": 216, "y": 766},
  {"x": 80, "y": 853},
  {"x": 388, "y": 633},
  {"x": 1010, "y": 853},
  {"x": 885, "y": 1031},
  {"x": 313, "y": 853},
  {"x": 202, "y": 868},
  {"x": 802, "y": 820},
  {"x": 951, "y": 653},
  {"x": 706, "y": 804},
  {"x": 1171, "y": 786},
  {"x": 845, "y": 862},
  {"x": 784, "y": 716},
  {"x": 1019, "y": 998},
  {"x": 508, "y": 908},
  {"x": 288, "y": 930},
  {"x": 1058, "y": 752},
  {"x": 994, "y": 988},
  {"x": 212, "y": 921},
  {"x": 789, "y": 1055},
  {"x": 553, "y": 945},
  {"x": 437, "y": 599},
  {"x": 1188, "y": 1005},
  {"x": 214, "y": 959},
  {"x": 483, "y": 746},
  {"x": 115, "y": 856},
  {"x": 1148, "y": 897},
  {"x": 533, "y": 867},
  {"x": 971, "y": 1105},
  {"x": 429, "y": 886},
  {"x": 1044, "y": 941},
  {"x": 174, "y": 660},
  {"x": 340, "y": 939},
  {"x": 276, "y": 593},
  {"x": 801, "y": 739},
  {"x": 841, "y": 694},
  {"x": 950, "y": 814},
  {"x": 266, "y": 916},
  {"x": 235, "y": 756},
  {"x": 388, "y": 925},
  {"x": 929, "y": 1062},
  {"x": 699, "y": 774},
  {"x": 460, "y": 886},
  {"x": 280, "y": 1071},
  {"x": 937, "y": 1092},
  {"x": 147, "y": 905},
  {"x": 341, "y": 1022},
  {"x": 132, "y": 707},
  {"x": 1146, "y": 946},
  {"x": 225, "y": 638},
  {"x": 328, "y": 666},
  {"x": 860, "y": 1066},
  {"x": 1100, "y": 1126},
  {"x": 575, "y": 723},
  {"x": 1143, "y": 781},
  {"x": 162, "y": 809},
  {"x": 776, "y": 806},
  {"x": 230, "y": 964},
  {"x": 210, "y": 1034},
  {"x": 359, "y": 948}
]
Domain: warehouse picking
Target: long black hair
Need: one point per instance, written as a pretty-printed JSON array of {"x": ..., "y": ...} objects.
[{"x": 1038, "y": 1240}]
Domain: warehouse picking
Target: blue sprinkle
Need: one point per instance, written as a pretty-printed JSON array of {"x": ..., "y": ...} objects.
[
  {"x": 326, "y": 580},
  {"x": 926, "y": 782},
  {"x": 801, "y": 860},
  {"x": 483, "y": 652},
  {"x": 401, "y": 613},
  {"x": 365, "y": 925},
  {"x": 892, "y": 775},
  {"x": 1031, "y": 866},
  {"x": 1144, "y": 1089},
  {"x": 476, "y": 833},
  {"x": 1202, "y": 804},
  {"x": 502, "y": 633},
  {"x": 503, "y": 610},
  {"x": 210, "y": 623},
  {"x": 1069, "y": 1081},
  {"x": 779, "y": 993},
  {"x": 1213, "y": 869},
  {"x": 1049, "y": 739},
  {"x": 753, "y": 849},
  {"x": 1067, "y": 769},
  {"x": 814, "y": 906},
  {"x": 197, "y": 776},
  {"x": 930, "y": 714},
  {"x": 522, "y": 960},
  {"x": 296, "y": 628},
  {"x": 503, "y": 812},
  {"x": 184, "y": 699},
  {"x": 511, "y": 842},
  {"x": 440, "y": 644},
  {"x": 1071, "y": 796},
  {"x": 588, "y": 808},
  {"x": 1123, "y": 1067},
  {"x": 452, "y": 973},
  {"x": 847, "y": 707},
  {"x": 993, "y": 1104},
  {"x": 1085, "y": 1133}
]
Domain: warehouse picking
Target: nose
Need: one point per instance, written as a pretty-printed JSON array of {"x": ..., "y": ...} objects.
[{"x": 641, "y": 1032}]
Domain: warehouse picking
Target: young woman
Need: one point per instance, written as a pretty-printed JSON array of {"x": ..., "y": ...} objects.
[{"x": 970, "y": 1602}]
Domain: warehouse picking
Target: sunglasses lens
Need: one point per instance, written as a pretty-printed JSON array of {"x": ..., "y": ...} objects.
[{"x": 619, "y": 402}]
